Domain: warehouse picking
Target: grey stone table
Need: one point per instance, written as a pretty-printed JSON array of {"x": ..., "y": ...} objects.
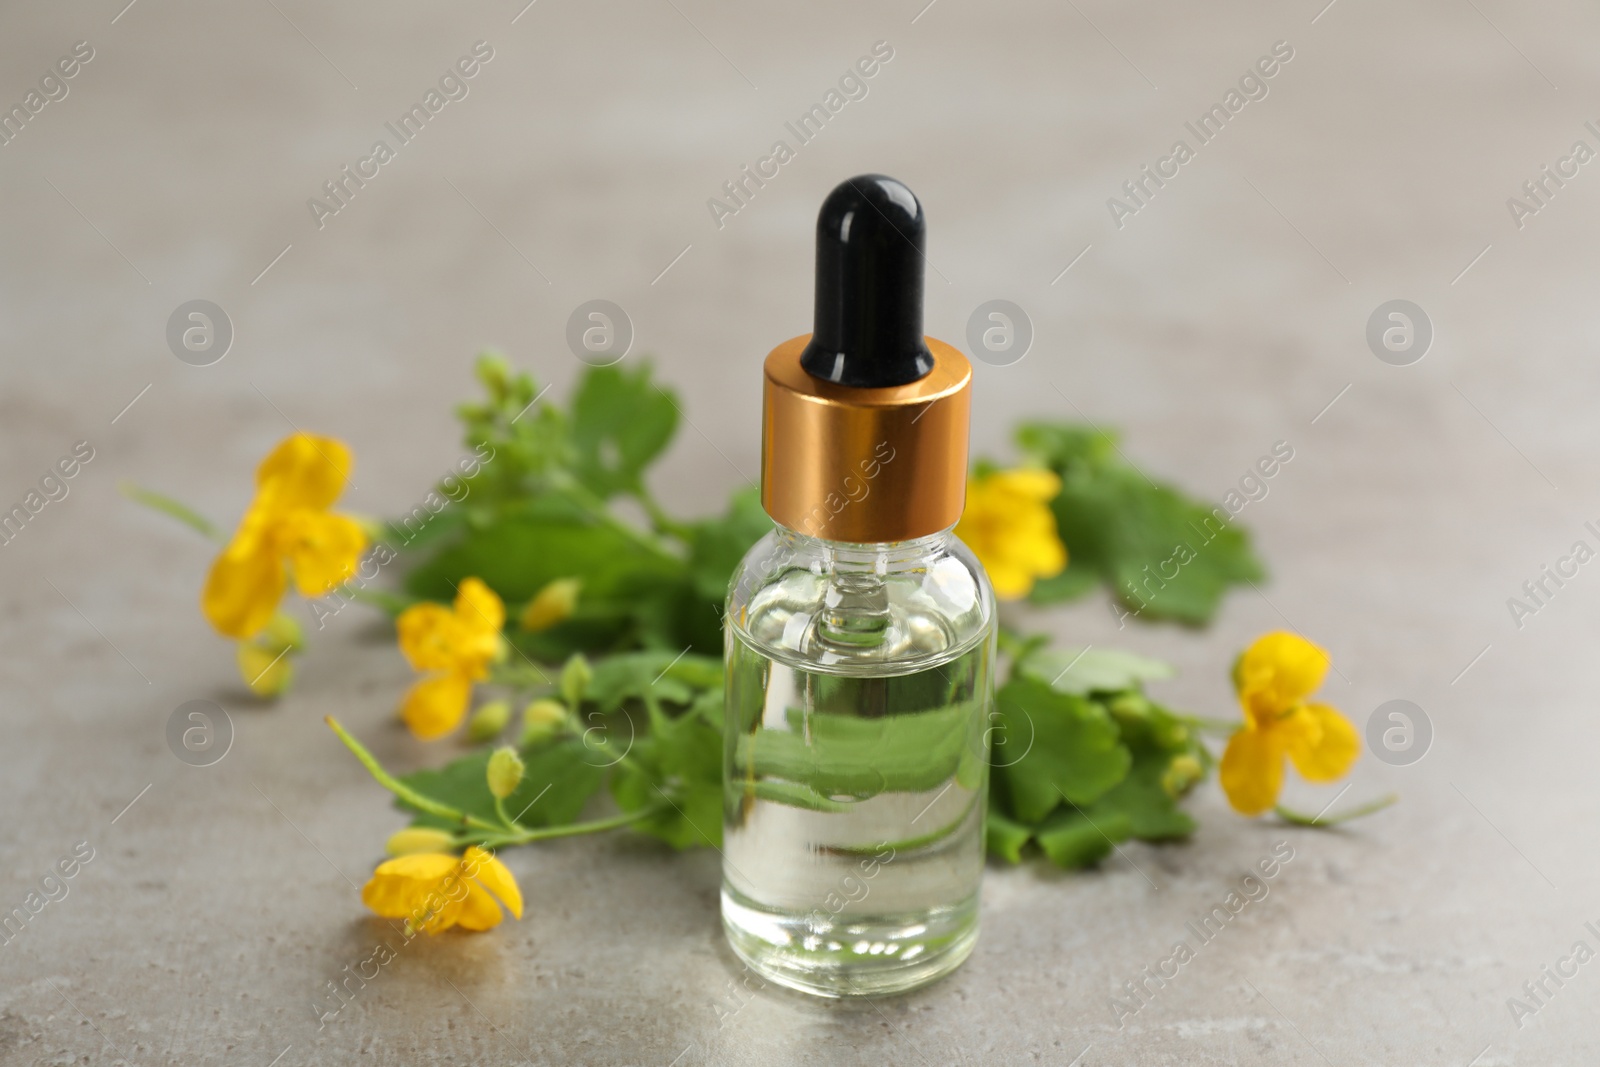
[{"x": 1210, "y": 316}]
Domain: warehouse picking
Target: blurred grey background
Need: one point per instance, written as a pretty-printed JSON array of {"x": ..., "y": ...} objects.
[{"x": 1229, "y": 312}]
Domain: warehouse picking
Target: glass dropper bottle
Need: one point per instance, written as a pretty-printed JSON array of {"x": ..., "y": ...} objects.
[{"x": 859, "y": 637}]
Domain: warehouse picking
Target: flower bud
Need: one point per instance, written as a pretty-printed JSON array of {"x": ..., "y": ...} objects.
[
  {"x": 554, "y": 604},
  {"x": 488, "y": 721},
  {"x": 505, "y": 772},
  {"x": 281, "y": 633},
  {"x": 1183, "y": 772},
  {"x": 1129, "y": 706},
  {"x": 418, "y": 839},
  {"x": 575, "y": 679},
  {"x": 267, "y": 672},
  {"x": 541, "y": 720},
  {"x": 1171, "y": 735}
]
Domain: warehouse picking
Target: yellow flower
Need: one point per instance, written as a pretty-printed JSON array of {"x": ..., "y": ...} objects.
[
  {"x": 1009, "y": 525},
  {"x": 456, "y": 645},
  {"x": 286, "y": 530},
  {"x": 434, "y": 891},
  {"x": 1274, "y": 677},
  {"x": 553, "y": 604}
]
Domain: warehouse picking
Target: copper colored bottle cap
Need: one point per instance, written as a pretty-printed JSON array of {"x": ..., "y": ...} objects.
[{"x": 865, "y": 465}]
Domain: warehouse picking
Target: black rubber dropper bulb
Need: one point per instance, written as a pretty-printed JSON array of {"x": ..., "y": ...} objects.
[{"x": 867, "y": 323}]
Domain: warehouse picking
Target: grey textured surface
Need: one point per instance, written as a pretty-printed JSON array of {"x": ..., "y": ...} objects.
[{"x": 1224, "y": 316}]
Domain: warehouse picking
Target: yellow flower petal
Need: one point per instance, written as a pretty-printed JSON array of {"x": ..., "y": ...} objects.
[
  {"x": 1030, "y": 483},
  {"x": 436, "y": 705},
  {"x": 323, "y": 549},
  {"x": 1326, "y": 746},
  {"x": 479, "y": 910},
  {"x": 1010, "y": 581},
  {"x": 1009, "y": 526},
  {"x": 419, "y": 866},
  {"x": 435, "y": 891},
  {"x": 1277, "y": 672},
  {"x": 479, "y": 608},
  {"x": 304, "y": 471},
  {"x": 428, "y": 637},
  {"x": 242, "y": 591},
  {"x": 1251, "y": 771},
  {"x": 400, "y": 886},
  {"x": 495, "y": 876}
]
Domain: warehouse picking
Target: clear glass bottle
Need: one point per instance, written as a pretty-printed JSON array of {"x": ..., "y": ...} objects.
[
  {"x": 859, "y": 636},
  {"x": 855, "y": 764}
]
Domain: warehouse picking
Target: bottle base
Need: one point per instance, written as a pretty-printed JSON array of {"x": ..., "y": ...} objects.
[{"x": 850, "y": 955}]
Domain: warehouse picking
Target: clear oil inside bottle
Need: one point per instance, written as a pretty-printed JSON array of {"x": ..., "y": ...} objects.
[{"x": 855, "y": 761}]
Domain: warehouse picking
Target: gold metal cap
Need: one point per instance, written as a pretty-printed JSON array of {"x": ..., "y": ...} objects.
[{"x": 860, "y": 464}]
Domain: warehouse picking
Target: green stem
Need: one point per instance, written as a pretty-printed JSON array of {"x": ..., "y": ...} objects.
[
  {"x": 911, "y": 844},
  {"x": 547, "y": 833},
  {"x": 603, "y": 744},
  {"x": 519, "y": 676},
  {"x": 1368, "y": 808},
  {"x": 663, "y": 523},
  {"x": 391, "y": 603},
  {"x": 1200, "y": 722},
  {"x": 500, "y": 810},
  {"x": 400, "y": 789},
  {"x": 597, "y": 509},
  {"x": 172, "y": 508}
]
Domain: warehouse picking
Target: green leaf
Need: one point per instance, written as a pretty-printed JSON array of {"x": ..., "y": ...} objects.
[
  {"x": 1004, "y": 837},
  {"x": 546, "y": 538},
  {"x": 1163, "y": 554},
  {"x": 621, "y": 421},
  {"x": 1140, "y": 803},
  {"x": 1072, "y": 839},
  {"x": 422, "y": 526},
  {"x": 558, "y": 780},
  {"x": 709, "y": 706},
  {"x": 719, "y": 544},
  {"x": 680, "y": 762},
  {"x": 663, "y": 676},
  {"x": 849, "y": 755},
  {"x": 798, "y": 796},
  {"x": 1076, "y": 581},
  {"x": 1072, "y": 750},
  {"x": 1081, "y": 672}
]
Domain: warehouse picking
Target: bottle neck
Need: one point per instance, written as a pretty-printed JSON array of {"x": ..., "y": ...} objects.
[
  {"x": 880, "y": 557},
  {"x": 856, "y": 614}
]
